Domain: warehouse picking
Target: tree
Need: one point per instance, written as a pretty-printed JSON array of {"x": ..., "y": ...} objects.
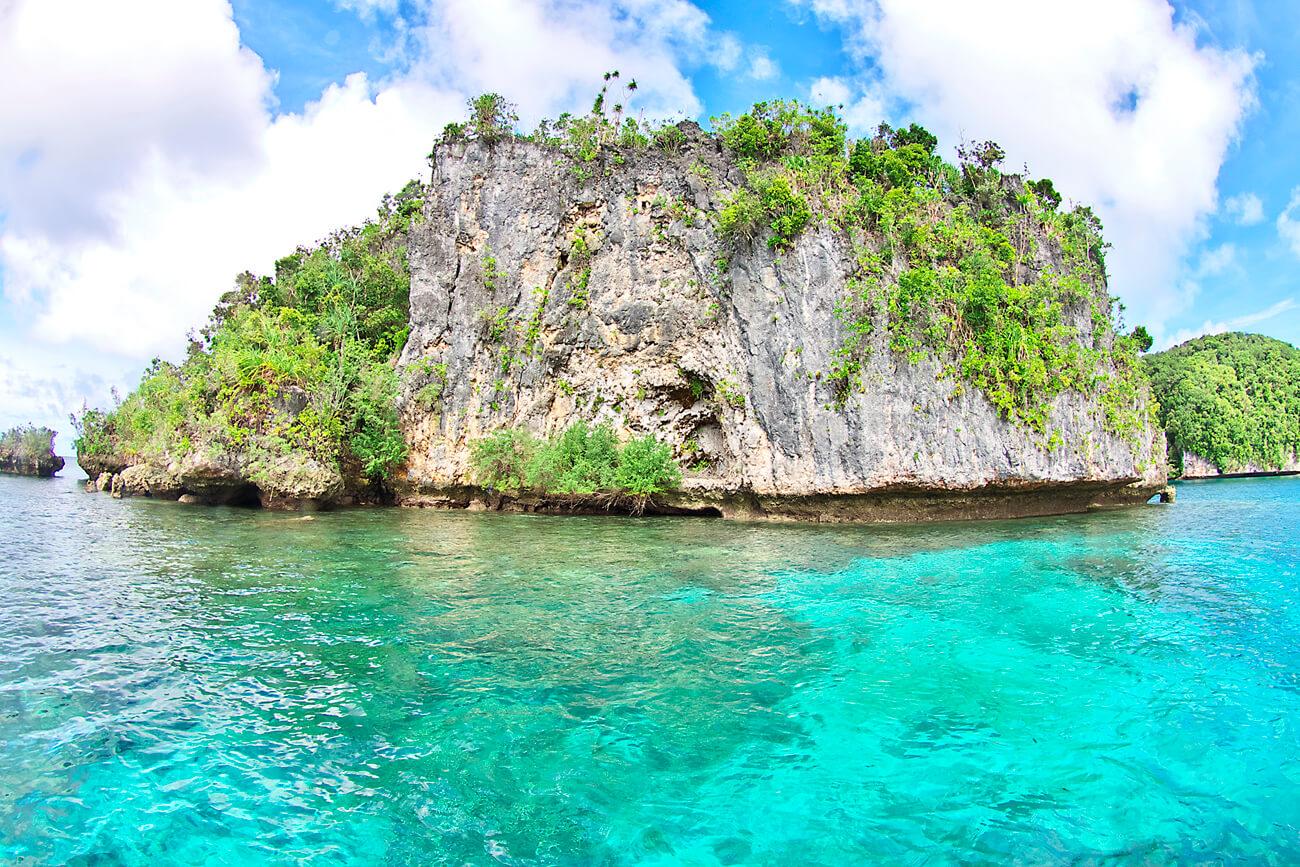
[
  {"x": 1143, "y": 338},
  {"x": 492, "y": 118}
]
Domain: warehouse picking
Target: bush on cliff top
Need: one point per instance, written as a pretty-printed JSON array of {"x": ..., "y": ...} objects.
[
  {"x": 1233, "y": 399},
  {"x": 299, "y": 363}
]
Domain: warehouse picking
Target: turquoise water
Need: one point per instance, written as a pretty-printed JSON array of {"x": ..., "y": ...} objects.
[{"x": 220, "y": 686}]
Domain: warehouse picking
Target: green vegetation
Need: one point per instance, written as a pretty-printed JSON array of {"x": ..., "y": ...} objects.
[
  {"x": 948, "y": 258},
  {"x": 431, "y": 379},
  {"x": 947, "y": 267},
  {"x": 582, "y": 462},
  {"x": 26, "y": 443},
  {"x": 1233, "y": 399},
  {"x": 301, "y": 363}
]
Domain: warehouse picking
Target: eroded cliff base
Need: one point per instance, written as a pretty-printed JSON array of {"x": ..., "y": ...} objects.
[{"x": 900, "y": 505}]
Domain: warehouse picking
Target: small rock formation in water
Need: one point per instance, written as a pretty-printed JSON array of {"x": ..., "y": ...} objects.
[
  {"x": 1230, "y": 405},
  {"x": 807, "y": 326},
  {"x": 27, "y": 450}
]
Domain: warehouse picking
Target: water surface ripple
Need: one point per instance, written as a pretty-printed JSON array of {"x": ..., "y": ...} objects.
[{"x": 224, "y": 686}]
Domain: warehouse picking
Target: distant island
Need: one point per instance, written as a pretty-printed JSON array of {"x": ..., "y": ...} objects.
[
  {"x": 1230, "y": 405},
  {"x": 29, "y": 451},
  {"x": 770, "y": 319}
]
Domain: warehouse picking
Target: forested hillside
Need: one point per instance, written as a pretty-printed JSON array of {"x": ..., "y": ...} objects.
[{"x": 1232, "y": 399}]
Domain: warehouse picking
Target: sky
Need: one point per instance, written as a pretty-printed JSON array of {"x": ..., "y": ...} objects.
[{"x": 150, "y": 150}]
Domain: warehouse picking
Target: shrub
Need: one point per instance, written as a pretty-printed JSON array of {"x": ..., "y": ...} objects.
[
  {"x": 741, "y": 216},
  {"x": 670, "y": 139},
  {"x": 376, "y": 440},
  {"x": 1142, "y": 338},
  {"x": 786, "y": 211},
  {"x": 95, "y": 433},
  {"x": 492, "y": 118},
  {"x": 583, "y": 460},
  {"x": 299, "y": 362},
  {"x": 646, "y": 466},
  {"x": 27, "y": 442},
  {"x": 769, "y": 202},
  {"x": 500, "y": 460}
]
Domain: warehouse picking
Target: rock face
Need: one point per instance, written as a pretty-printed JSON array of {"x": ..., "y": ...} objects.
[
  {"x": 41, "y": 466},
  {"x": 538, "y": 298},
  {"x": 1197, "y": 467},
  {"x": 291, "y": 484},
  {"x": 29, "y": 451}
]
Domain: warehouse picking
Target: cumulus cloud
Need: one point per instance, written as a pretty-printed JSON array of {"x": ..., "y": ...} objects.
[
  {"x": 548, "y": 55},
  {"x": 1216, "y": 260},
  {"x": 96, "y": 94},
  {"x": 1244, "y": 209},
  {"x": 862, "y": 110},
  {"x": 1125, "y": 107},
  {"x": 1288, "y": 222},
  {"x": 177, "y": 239},
  {"x": 142, "y": 165},
  {"x": 762, "y": 67},
  {"x": 45, "y": 390},
  {"x": 1236, "y": 324}
]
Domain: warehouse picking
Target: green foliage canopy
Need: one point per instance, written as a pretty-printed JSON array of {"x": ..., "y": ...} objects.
[
  {"x": 1233, "y": 399},
  {"x": 26, "y": 443},
  {"x": 298, "y": 363},
  {"x": 583, "y": 460}
]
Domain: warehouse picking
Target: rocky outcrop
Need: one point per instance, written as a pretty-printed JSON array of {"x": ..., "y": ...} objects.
[
  {"x": 296, "y": 483},
  {"x": 29, "y": 451},
  {"x": 539, "y": 298},
  {"x": 1197, "y": 467}
]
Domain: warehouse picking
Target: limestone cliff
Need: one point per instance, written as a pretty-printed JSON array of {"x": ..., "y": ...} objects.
[
  {"x": 1197, "y": 467},
  {"x": 539, "y": 296}
]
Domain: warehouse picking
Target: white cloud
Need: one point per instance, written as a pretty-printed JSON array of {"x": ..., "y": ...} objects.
[
  {"x": 368, "y": 8},
  {"x": 141, "y": 166},
  {"x": 177, "y": 238},
  {"x": 1216, "y": 260},
  {"x": 762, "y": 67},
  {"x": 46, "y": 387},
  {"x": 862, "y": 110},
  {"x": 1123, "y": 107},
  {"x": 549, "y": 55},
  {"x": 1288, "y": 222},
  {"x": 726, "y": 56},
  {"x": 1245, "y": 209},
  {"x": 95, "y": 93},
  {"x": 1235, "y": 324}
]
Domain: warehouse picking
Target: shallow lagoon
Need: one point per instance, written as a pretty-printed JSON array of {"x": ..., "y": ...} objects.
[{"x": 226, "y": 686}]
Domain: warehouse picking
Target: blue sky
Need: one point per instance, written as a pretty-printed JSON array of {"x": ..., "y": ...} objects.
[
  {"x": 311, "y": 44},
  {"x": 154, "y": 154}
]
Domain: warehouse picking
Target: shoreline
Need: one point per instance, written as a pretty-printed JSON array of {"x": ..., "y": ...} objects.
[
  {"x": 898, "y": 504},
  {"x": 1256, "y": 475}
]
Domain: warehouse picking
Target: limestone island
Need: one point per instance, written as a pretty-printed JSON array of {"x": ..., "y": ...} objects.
[
  {"x": 27, "y": 450},
  {"x": 765, "y": 320},
  {"x": 1230, "y": 404}
]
